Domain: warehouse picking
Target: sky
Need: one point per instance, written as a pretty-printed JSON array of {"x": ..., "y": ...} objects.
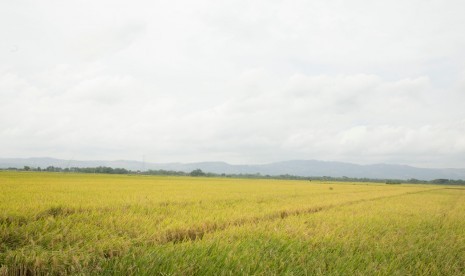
[{"x": 235, "y": 81}]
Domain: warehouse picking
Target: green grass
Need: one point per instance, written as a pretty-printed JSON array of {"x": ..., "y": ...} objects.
[{"x": 52, "y": 223}]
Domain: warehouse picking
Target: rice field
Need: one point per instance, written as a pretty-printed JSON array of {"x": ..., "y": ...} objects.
[{"x": 90, "y": 224}]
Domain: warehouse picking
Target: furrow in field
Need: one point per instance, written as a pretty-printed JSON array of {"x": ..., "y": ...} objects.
[{"x": 198, "y": 232}]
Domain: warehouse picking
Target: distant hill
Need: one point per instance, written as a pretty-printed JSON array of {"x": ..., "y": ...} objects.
[{"x": 294, "y": 167}]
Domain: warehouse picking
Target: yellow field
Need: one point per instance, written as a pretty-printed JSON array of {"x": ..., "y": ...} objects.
[{"x": 53, "y": 223}]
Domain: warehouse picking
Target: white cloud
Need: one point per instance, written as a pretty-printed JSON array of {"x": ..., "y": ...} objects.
[{"x": 236, "y": 81}]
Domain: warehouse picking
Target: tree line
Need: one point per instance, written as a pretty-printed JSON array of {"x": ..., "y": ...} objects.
[{"x": 199, "y": 172}]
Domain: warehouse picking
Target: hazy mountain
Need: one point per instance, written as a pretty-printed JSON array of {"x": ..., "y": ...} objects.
[{"x": 294, "y": 167}]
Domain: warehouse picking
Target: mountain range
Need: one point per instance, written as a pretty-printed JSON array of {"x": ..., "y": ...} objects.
[{"x": 293, "y": 167}]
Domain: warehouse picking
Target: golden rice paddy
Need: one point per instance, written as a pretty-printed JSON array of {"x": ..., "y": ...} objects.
[{"x": 91, "y": 224}]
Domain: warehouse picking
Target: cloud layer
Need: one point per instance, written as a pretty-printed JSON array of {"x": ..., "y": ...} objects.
[{"x": 243, "y": 82}]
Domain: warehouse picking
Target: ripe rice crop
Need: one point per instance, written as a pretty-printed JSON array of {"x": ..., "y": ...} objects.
[{"x": 56, "y": 224}]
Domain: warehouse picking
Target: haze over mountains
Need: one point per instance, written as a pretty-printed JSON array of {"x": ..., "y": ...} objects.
[{"x": 293, "y": 167}]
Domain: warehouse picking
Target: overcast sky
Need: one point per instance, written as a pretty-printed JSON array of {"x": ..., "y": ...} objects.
[{"x": 237, "y": 81}]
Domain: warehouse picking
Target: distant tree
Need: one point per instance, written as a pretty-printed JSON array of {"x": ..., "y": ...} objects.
[
  {"x": 440, "y": 181},
  {"x": 197, "y": 172},
  {"x": 27, "y": 168}
]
